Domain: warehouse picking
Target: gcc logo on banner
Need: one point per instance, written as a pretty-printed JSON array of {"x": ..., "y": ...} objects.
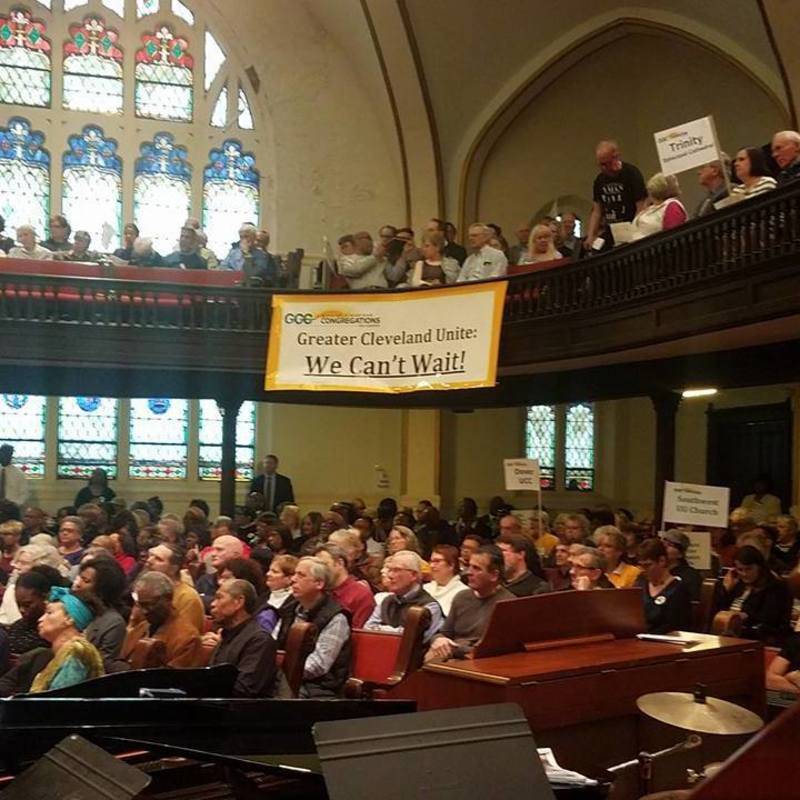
[{"x": 386, "y": 342}]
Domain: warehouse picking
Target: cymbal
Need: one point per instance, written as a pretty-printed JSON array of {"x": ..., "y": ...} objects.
[{"x": 695, "y": 712}]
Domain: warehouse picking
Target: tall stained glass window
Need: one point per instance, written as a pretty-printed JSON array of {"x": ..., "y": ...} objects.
[
  {"x": 162, "y": 192},
  {"x": 219, "y": 116},
  {"x": 214, "y": 59},
  {"x": 87, "y": 436},
  {"x": 540, "y": 442},
  {"x": 164, "y": 77},
  {"x": 23, "y": 419},
  {"x": 245, "y": 115},
  {"x": 146, "y": 7},
  {"x": 92, "y": 187},
  {"x": 210, "y": 440},
  {"x": 158, "y": 438},
  {"x": 579, "y": 447},
  {"x": 230, "y": 194},
  {"x": 24, "y": 176},
  {"x": 117, "y": 6},
  {"x": 24, "y": 60},
  {"x": 93, "y": 68}
]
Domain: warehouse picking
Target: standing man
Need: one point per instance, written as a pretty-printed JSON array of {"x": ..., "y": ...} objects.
[
  {"x": 619, "y": 192},
  {"x": 483, "y": 261},
  {"x": 786, "y": 152},
  {"x": 241, "y": 640},
  {"x": 13, "y": 482},
  {"x": 276, "y": 488},
  {"x": 711, "y": 177}
]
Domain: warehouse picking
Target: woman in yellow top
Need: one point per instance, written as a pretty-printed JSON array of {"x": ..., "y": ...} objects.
[
  {"x": 74, "y": 659},
  {"x": 612, "y": 544}
]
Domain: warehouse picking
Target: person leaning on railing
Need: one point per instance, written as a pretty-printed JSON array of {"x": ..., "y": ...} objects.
[
  {"x": 751, "y": 169},
  {"x": 541, "y": 246}
]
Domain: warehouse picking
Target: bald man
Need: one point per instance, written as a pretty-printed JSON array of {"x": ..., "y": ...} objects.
[
  {"x": 786, "y": 152},
  {"x": 618, "y": 195},
  {"x": 223, "y": 549}
]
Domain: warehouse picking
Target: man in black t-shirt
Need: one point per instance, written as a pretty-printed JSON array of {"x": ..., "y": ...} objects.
[{"x": 618, "y": 194}]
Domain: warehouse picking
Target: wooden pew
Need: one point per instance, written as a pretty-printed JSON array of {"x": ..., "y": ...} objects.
[
  {"x": 299, "y": 645},
  {"x": 381, "y": 659},
  {"x": 149, "y": 653}
]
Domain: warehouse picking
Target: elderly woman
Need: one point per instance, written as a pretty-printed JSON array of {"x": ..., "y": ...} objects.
[
  {"x": 26, "y": 558},
  {"x": 279, "y": 605},
  {"x": 435, "y": 268},
  {"x": 665, "y": 210},
  {"x": 74, "y": 659},
  {"x": 750, "y": 166},
  {"x": 245, "y": 256},
  {"x": 446, "y": 580},
  {"x": 613, "y": 545},
  {"x": 541, "y": 245},
  {"x": 28, "y": 248},
  {"x": 667, "y": 605}
]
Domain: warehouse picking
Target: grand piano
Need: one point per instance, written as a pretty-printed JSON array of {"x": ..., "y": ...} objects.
[{"x": 576, "y": 665}]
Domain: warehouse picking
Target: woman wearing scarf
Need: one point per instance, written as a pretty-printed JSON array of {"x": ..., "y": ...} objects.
[{"x": 74, "y": 659}]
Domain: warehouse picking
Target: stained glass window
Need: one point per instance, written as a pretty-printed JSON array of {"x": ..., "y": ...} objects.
[
  {"x": 22, "y": 424},
  {"x": 164, "y": 77},
  {"x": 24, "y": 60},
  {"x": 210, "y": 440},
  {"x": 219, "y": 116},
  {"x": 215, "y": 58},
  {"x": 24, "y": 176},
  {"x": 117, "y": 6},
  {"x": 70, "y": 4},
  {"x": 162, "y": 192},
  {"x": 45, "y": 3},
  {"x": 540, "y": 442},
  {"x": 230, "y": 194},
  {"x": 245, "y": 117},
  {"x": 180, "y": 10},
  {"x": 158, "y": 438},
  {"x": 87, "y": 436},
  {"x": 92, "y": 187},
  {"x": 579, "y": 447},
  {"x": 145, "y": 8},
  {"x": 93, "y": 68}
]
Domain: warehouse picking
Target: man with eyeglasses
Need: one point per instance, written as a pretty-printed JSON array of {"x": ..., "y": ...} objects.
[{"x": 404, "y": 582}]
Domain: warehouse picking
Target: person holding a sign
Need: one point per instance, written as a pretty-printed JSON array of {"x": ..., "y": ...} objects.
[{"x": 667, "y": 606}]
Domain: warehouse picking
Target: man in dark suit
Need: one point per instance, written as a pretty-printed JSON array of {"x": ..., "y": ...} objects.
[{"x": 277, "y": 489}]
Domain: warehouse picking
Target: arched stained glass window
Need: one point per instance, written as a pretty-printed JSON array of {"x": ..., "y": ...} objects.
[
  {"x": 579, "y": 447},
  {"x": 219, "y": 116},
  {"x": 87, "y": 436},
  {"x": 24, "y": 60},
  {"x": 245, "y": 115},
  {"x": 93, "y": 68},
  {"x": 158, "y": 438},
  {"x": 24, "y": 176},
  {"x": 230, "y": 194},
  {"x": 214, "y": 59},
  {"x": 92, "y": 187},
  {"x": 69, "y": 5},
  {"x": 540, "y": 442},
  {"x": 117, "y": 6},
  {"x": 146, "y": 7},
  {"x": 164, "y": 77},
  {"x": 162, "y": 192},
  {"x": 23, "y": 419},
  {"x": 210, "y": 440}
]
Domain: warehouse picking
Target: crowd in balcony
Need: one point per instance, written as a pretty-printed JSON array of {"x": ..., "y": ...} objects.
[
  {"x": 84, "y": 585},
  {"x": 624, "y": 206},
  {"x": 249, "y": 255}
]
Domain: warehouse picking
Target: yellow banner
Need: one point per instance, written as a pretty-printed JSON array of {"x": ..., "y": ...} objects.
[{"x": 414, "y": 341}]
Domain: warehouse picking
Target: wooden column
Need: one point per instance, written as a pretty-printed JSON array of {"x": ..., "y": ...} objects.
[
  {"x": 229, "y": 409},
  {"x": 666, "y": 407}
]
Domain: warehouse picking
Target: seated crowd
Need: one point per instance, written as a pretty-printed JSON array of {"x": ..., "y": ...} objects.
[
  {"x": 249, "y": 255},
  {"x": 619, "y": 195},
  {"x": 83, "y": 588}
]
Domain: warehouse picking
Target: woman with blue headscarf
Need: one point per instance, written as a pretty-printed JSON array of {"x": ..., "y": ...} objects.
[{"x": 74, "y": 659}]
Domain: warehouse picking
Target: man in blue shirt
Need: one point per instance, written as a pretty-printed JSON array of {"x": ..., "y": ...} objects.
[{"x": 186, "y": 256}]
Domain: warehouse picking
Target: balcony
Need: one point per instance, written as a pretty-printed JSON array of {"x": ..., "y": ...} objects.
[{"x": 717, "y": 299}]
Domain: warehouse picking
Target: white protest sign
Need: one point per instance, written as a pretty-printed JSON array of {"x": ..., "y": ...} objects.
[
  {"x": 687, "y": 146},
  {"x": 695, "y": 504},
  {"x": 522, "y": 474},
  {"x": 386, "y": 341},
  {"x": 699, "y": 553}
]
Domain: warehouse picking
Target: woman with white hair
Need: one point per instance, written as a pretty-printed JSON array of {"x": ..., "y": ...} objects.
[
  {"x": 27, "y": 557},
  {"x": 28, "y": 246},
  {"x": 665, "y": 211},
  {"x": 541, "y": 245}
]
